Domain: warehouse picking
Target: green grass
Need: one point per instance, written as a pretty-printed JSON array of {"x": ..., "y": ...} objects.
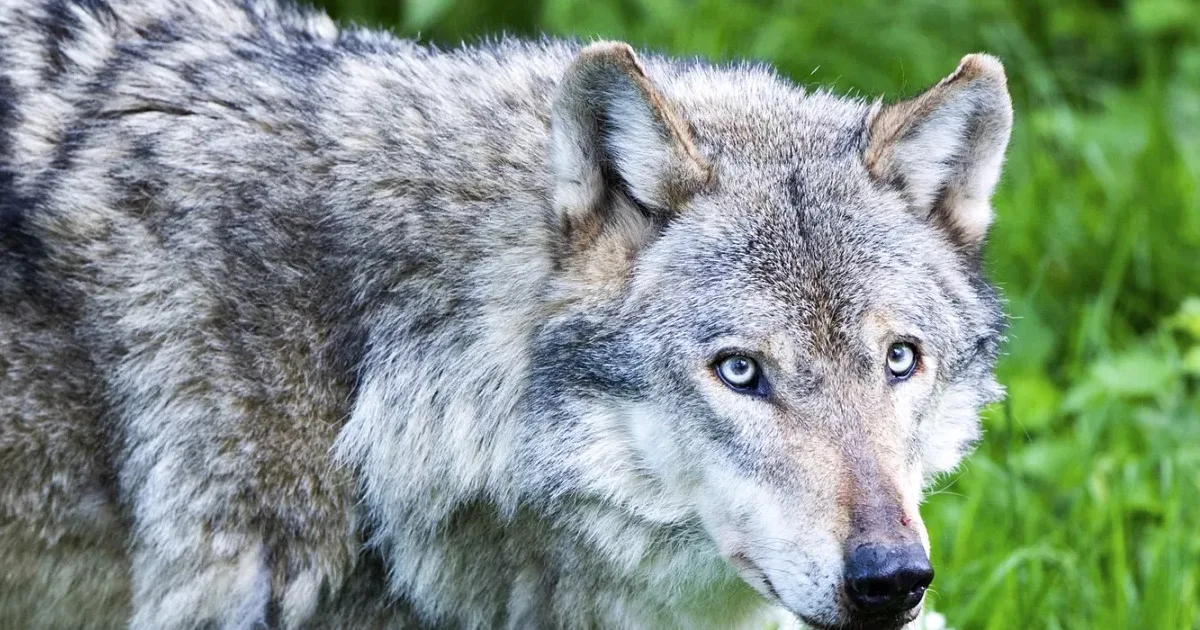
[{"x": 1082, "y": 507}]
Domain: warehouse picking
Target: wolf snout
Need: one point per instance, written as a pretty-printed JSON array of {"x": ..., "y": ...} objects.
[{"x": 885, "y": 579}]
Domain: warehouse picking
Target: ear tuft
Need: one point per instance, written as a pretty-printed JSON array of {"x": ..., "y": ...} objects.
[
  {"x": 944, "y": 149},
  {"x": 980, "y": 66}
]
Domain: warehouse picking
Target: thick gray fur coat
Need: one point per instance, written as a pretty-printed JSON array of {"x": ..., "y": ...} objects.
[{"x": 309, "y": 326}]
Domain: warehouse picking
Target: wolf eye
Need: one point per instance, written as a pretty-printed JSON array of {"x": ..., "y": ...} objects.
[
  {"x": 739, "y": 373},
  {"x": 901, "y": 360}
]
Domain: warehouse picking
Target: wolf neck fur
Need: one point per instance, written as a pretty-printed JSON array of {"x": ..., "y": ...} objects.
[{"x": 443, "y": 403}]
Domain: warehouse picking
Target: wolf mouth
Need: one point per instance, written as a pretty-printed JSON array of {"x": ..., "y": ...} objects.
[
  {"x": 761, "y": 582},
  {"x": 758, "y": 579},
  {"x": 889, "y": 622}
]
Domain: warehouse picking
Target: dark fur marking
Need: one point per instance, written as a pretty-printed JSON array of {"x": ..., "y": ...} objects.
[
  {"x": 60, "y": 26},
  {"x": 311, "y": 58},
  {"x": 798, "y": 192},
  {"x": 580, "y": 356},
  {"x": 158, "y": 31},
  {"x": 96, "y": 6},
  {"x": 19, "y": 249},
  {"x": 8, "y": 120},
  {"x": 855, "y": 142}
]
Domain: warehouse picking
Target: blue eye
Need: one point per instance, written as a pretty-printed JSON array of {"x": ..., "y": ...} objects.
[
  {"x": 739, "y": 373},
  {"x": 901, "y": 360}
]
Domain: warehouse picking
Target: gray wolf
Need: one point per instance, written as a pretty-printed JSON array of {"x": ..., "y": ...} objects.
[{"x": 309, "y": 326}]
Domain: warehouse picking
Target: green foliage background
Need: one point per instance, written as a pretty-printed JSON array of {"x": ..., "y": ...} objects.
[{"x": 1082, "y": 508}]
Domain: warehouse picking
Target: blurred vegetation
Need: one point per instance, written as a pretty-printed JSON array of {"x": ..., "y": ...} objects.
[{"x": 1082, "y": 507}]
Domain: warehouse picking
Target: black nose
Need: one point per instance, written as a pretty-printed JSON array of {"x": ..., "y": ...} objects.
[{"x": 883, "y": 579}]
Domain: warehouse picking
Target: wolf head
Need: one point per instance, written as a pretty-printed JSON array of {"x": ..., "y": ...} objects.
[{"x": 770, "y": 314}]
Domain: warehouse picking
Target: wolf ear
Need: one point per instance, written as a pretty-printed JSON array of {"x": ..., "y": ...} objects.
[
  {"x": 613, "y": 133},
  {"x": 944, "y": 149}
]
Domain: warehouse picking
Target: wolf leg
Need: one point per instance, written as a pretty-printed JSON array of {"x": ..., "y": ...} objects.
[
  {"x": 239, "y": 517},
  {"x": 205, "y": 554},
  {"x": 214, "y": 548}
]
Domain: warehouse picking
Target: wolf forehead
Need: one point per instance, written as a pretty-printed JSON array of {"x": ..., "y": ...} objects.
[
  {"x": 791, "y": 193},
  {"x": 792, "y": 207},
  {"x": 748, "y": 114}
]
